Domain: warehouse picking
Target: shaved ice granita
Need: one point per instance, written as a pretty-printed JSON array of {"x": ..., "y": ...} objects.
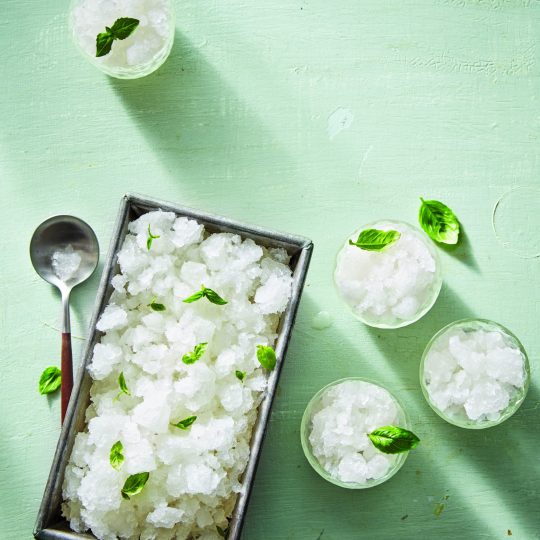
[
  {"x": 126, "y": 39},
  {"x": 178, "y": 374},
  {"x": 337, "y": 429},
  {"x": 474, "y": 373},
  {"x": 388, "y": 273}
]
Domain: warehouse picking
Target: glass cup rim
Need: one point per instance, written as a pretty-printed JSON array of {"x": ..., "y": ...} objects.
[
  {"x": 439, "y": 271},
  {"x": 510, "y": 411},
  {"x": 314, "y": 462},
  {"x": 127, "y": 73}
]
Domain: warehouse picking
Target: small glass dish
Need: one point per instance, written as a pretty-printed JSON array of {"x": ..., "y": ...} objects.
[
  {"x": 349, "y": 279},
  {"x": 314, "y": 406},
  {"x": 458, "y": 416},
  {"x": 156, "y": 30}
]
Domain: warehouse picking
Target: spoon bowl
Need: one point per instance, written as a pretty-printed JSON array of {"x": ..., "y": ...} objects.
[
  {"x": 57, "y": 234},
  {"x": 64, "y": 251}
]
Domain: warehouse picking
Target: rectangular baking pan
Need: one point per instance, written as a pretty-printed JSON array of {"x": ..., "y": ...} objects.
[{"x": 50, "y": 524}]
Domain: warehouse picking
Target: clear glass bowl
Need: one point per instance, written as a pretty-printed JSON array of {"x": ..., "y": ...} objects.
[
  {"x": 471, "y": 325},
  {"x": 433, "y": 290},
  {"x": 305, "y": 430},
  {"x": 113, "y": 64}
]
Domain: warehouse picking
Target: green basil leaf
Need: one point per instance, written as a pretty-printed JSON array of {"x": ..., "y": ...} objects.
[
  {"x": 209, "y": 294},
  {"x": 122, "y": 384},
  {"x": 240, "y": 375},
  {"x": 192, "y": 357},
  {"x": 116, "y": 455},
  {"x": 266, "y": 357},
  {"x": 439, "y": 222},
  {"x": 134, "y": 484},
  {"x": 376, "y": 240},
  {"x": 155, "y": 306},
  {"x": 104, "y": 42},
  {"x": 214, "y": 297},
  {"x": 186, "y": 422},
  {"x": 194, "y": 297},
  {"x": 393, "y": 440},
  {"x": 150, "y": 238},
  {"x": 124, "y": 27},
  {"x": 50, "y": 380}
]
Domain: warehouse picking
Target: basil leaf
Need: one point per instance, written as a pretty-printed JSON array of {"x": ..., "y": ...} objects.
[
  {"x": 124, "y": 27},
  {"x": 134, "y": 484},
  {"x": 50, "y": 380},
  {"x": 186, "y": 422},
  {"x": 214, "y": 297},
  {"x": 439, "y": 222},
  {"x": 122, "y": 384},
  {"x": 116, "y": 456},
  {"x": 240, "y": 375},
  {"x": 104, "y": 42},
  {"x": 194, "y": 297},
  {"x": 151, "y": 238},
  {"x": 266, "y": 357},
  {"x": 209, "y": 294},
  {"x": 393, "y": 440},
  {"x": 376, "y": 240},
  {"x": 192, "y": 357},
  {"x": 155, "y": 306}
]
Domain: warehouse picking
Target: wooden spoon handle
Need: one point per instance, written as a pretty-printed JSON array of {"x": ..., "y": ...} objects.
[{"x": 67, "y": 372}]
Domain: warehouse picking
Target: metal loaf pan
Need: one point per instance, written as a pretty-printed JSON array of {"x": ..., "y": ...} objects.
[{"x": 50, "y": 523}]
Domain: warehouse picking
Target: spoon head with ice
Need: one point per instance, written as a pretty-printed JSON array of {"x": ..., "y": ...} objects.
[{"x": 64, "y": 251}]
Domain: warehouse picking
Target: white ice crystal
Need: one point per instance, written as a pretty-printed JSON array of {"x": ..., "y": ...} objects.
[
  {"x": 391, "y": 286},
  {"x": 65, "y": 263},
  {"x": 194, "y": 473},
  {"x": 339, "y": 429},
  {"x": 473, "y": 374}
]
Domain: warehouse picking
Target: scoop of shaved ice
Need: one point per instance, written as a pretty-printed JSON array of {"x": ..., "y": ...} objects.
[{"x": 474, "y": 374}]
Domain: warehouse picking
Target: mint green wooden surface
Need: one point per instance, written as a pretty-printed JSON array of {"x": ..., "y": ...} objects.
[{"x": 444, "y": 101}]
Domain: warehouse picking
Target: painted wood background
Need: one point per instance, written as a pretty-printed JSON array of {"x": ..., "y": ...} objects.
[{"x": 313, "y": 117}]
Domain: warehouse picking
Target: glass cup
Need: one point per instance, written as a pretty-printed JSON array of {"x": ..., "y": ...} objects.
[
  {"x": 386, "y": 321},
  {"x": 471, "y": 325},
  {"x": 127, "y": 58},
  {"x": 305, "y": 430}
]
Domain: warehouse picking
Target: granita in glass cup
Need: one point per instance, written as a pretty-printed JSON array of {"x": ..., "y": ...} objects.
[
  {"x": 335, "y": 433},
  {"x": 126, "y": 39},
  {"x": 474, "y": 373},
  {"x": 389, "y": 274}
]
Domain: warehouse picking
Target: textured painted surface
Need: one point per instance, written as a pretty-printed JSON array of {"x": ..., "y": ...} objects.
[{"x": 435, "y": 98}]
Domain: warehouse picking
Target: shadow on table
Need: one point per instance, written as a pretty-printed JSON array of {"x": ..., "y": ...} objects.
[
  {"x": 462, "y": 251},
  {"x": 198, "y": 126}
]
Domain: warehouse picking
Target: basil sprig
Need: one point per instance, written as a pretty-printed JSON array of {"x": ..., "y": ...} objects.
[
  {"x": 375, "y": 239},
  {"x": 50, "y": 380},
  {"x": 393, "y": 440},
  {"x": 151, "y": 238},
  {"x": 123, "y": 386},
  {"x": 121, "y": 29},
  {"x": 192, "y": 357},
  {"x": 134, "y": 484},
  {"x": 209, "y": 294},
  {"x": 439, "y": 222}
]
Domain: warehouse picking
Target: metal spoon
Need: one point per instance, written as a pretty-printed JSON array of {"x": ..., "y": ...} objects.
[{"x": 55, "y": 239}]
